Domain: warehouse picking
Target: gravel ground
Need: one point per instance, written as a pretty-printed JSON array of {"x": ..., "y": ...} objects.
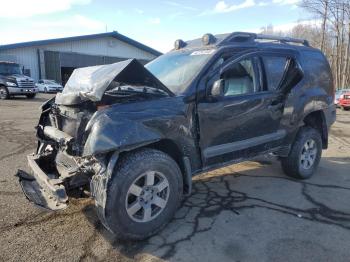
[{"x": 245, "y": 212}]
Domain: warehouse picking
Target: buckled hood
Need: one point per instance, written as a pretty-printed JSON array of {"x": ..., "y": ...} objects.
[{"x": 90, "y": 83}]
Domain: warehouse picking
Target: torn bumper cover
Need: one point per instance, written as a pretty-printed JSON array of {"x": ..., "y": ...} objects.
[{"x": 40, "y": 189}]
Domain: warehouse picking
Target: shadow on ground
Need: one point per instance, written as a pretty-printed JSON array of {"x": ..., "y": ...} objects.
[
  {"x": 230, "y": 193},
  {"x": 28, "y": 100}
]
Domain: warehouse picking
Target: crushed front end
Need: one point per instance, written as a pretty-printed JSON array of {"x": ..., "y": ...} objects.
[
  {"x": 58, "y": 166},
  {"x": 76, "y": 138}
]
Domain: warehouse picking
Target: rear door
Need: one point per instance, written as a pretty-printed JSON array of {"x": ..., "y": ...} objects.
[{"x": 245, "y": 121}]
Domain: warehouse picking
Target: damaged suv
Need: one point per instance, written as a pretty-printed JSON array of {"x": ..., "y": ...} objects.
[{"x": 134, "y": 136}]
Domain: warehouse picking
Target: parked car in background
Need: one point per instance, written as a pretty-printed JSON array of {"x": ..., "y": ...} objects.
[
  {"x": 344, "y": 101},
  {"x": 49, "y": 86},
  {"x": 13, "y": 82},
  {"x": 338, "y": 95}
]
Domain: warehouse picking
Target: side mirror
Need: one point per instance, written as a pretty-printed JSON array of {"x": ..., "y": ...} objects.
[{"x": 217, "y": 89}]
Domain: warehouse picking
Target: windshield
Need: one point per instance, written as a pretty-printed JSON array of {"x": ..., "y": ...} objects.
[
  {"x": 175, "y": 70},
  {"x": 10, "y": 69}
]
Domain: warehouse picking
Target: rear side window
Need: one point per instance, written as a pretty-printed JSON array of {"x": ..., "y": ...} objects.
[{"x": 274, "y": 69}]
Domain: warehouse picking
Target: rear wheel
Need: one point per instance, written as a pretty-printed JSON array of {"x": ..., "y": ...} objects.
[
  {"x": 30, "y": 96},
  {"x": 305, "y": 154},
  {"x": 144, "y": 193},
  {"x": 4, "y": 93}
]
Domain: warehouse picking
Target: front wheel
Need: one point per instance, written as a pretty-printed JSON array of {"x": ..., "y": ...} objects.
[
  {"x": 144, "y": 193},
  {"x": 305, "y": 154},
  {"x": 4, "y": 93}
]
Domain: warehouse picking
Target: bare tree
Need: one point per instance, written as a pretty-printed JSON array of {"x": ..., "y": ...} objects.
[
  {"x": 332, "y": 36},
  {"x": 320, "y": 8}
]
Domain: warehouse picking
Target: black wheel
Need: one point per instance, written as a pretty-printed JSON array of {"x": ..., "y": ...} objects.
[
  {"x": 144, "y": 193},
  {"x": 305, "y": 154},
  {"x": 30, "y": 96},
  {"x": 4, "y": 93}
]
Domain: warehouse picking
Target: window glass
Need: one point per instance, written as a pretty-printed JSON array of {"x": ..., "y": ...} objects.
[
  {"x": 274, "y": 69},
  {"x": 176, "y": 69},
  {"x": 240, "y": 78}
]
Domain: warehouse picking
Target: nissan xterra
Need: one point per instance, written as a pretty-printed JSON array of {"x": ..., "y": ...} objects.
[{"x": 134, "y": 136}]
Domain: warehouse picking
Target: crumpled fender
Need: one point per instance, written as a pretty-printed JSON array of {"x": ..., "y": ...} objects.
[{"x": 106, "y": 135}]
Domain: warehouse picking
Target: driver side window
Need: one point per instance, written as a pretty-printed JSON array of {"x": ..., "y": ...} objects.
[{"x": 239, "y": 78}]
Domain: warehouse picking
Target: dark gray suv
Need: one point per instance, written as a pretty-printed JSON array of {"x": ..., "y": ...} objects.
[{"x": 134, "y": 136}]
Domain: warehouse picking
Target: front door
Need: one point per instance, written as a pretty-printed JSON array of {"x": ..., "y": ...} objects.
[{"x": 245, "y": 119}]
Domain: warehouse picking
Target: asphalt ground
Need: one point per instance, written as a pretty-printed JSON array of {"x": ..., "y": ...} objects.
[{"x": 246, "y": 212}]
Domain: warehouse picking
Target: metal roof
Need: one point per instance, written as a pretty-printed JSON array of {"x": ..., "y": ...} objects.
[{"x": 114, "y": 34}]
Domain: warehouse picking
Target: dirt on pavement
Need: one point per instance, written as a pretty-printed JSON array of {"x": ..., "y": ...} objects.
[{"x": 245, "y": 212}]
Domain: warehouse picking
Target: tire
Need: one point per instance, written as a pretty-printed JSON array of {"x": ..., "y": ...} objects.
[
  {"x": 299, "y": 158},
  {"x": 4, "y": 93},
  {"x": 130, "y": 171},
  {"x": 30, "y": 96}
]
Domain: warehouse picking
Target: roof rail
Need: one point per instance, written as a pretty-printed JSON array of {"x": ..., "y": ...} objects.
[{"x": 251, "y": 37}]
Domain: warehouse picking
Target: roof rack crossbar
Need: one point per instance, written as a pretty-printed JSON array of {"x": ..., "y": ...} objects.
[
  {"x": 283, "y": 39},
  {"x": 250, "y": 37}
]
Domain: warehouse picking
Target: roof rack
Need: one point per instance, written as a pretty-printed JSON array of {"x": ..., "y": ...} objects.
[{"x": 251, "y": 37}]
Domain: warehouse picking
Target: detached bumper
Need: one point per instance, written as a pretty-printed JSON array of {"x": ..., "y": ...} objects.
[{"x": 39, "y": 188}]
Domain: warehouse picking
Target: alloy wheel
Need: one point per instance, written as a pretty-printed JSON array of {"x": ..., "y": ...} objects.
[
  {"x": 308, "y": 154},
  {"x": 147, "y": 196}
]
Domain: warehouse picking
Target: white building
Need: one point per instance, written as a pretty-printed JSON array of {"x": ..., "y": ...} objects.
[{"x": 57, "y": 58}]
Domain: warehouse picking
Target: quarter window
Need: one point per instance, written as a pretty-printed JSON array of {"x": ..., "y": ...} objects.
[{"x": 274, "y": 69}]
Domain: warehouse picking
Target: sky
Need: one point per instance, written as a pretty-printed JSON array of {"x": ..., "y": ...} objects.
[{"x": 154, "y": 23}]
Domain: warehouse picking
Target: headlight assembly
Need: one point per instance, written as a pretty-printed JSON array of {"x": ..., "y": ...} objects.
[{"x": 11, "y": 84}]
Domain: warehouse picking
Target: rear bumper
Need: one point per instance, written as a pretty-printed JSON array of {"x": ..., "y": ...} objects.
[{"x": 39, "y": 188}]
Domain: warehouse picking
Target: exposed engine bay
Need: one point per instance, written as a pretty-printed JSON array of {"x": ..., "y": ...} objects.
[{"x": 60, "y": 163}]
